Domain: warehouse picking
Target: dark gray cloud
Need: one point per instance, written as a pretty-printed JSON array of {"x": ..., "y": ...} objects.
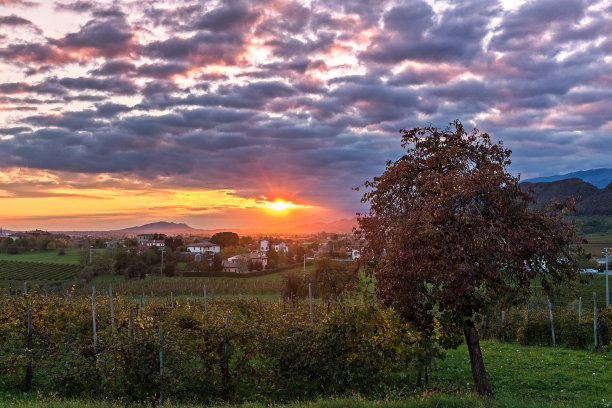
[
  {"x": 79, "y": 6},
  {"x": 112, "y": 85},
  {"x": 230, "y": 16},
  {"x": 115, "y": 67},
  {"x": 14, "y": 20},
  {"x": 200, "y": 49},
  {"x": 109, "y": 38},
  {"x": 162, "y": 71}
]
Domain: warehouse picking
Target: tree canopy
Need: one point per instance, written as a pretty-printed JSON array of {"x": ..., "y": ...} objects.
[
  {"x": 225, "y": 239},
  {"x": 450, "y": 230}
]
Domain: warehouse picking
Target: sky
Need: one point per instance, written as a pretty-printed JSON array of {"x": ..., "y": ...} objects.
[{"x": 119, "y": 113}]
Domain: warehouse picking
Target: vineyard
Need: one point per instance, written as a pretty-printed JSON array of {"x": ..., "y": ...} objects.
[
  {"x": 43, "y": 274},
  {"x": 137, "y": 348},
  {"x": 203, "y": 350},
  {"x": 190, "y": 287}
]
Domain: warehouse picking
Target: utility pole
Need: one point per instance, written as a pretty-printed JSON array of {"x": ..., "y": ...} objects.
[
  {"x": 90, "y": 253},
  {"x": 161, "y": 272},
  {"x": 607, "y": 291}
]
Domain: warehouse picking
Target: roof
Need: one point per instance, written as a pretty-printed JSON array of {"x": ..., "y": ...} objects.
[{"x": 202, "y": 244}]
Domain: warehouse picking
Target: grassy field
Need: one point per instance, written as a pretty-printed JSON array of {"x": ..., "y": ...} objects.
[
  {"x": 520, "y": 377},
  {"x": 71, "y": 257},
  {"x": 36, "y": 273},
  {"x": 597, "y": 242}
]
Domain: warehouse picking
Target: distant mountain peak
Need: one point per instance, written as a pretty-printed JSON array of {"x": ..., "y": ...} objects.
[{"x": 161, "y": 227}]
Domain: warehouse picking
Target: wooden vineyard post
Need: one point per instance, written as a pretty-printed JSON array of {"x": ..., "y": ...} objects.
[
  {"x": 552, "y": 324},
  {"x": 527, "y": 311},
  {"x": 112, "y": 308},
  {"x": 93, "y": 317},
  {"x": 130, "y": 324},
  {"x": 595, "y": 319},
  {"x": 503, "y": 318},
  {"x": 172, "y": 299},
  {"x": 579, "y": 310},
  {"x": 27, "y": 382},
  {"x": 225, "y": 380},
  {"x": 161, "y": 365},
  {"x": 310, "y": 304},
  {"x": 9, "y": 290},
  {"x": 205, "y": 306},
  {"x": 25, "y": 288},
  {"x": 69, "y": 328}
]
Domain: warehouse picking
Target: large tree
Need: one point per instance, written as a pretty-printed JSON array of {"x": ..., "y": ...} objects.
[
  {"x": 449, "y": 230},
  {"x": 225, "y": 239}
]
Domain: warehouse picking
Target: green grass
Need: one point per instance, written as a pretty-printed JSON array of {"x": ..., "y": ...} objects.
[
  {"x": 534, "y": 375},
  {"x": 520, "y": 376},
  {"x": 35, "y": 273},
  {"x": 71, "y": 257}
]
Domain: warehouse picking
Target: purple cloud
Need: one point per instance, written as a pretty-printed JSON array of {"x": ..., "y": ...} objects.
[{"x": 230, "y": 94}]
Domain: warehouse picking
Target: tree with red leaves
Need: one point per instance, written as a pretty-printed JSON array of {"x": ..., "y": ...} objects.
[{"x": 450, "y": 230}]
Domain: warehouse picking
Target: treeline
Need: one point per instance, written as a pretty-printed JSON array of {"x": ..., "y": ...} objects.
[{"x": 30, "y": 244}]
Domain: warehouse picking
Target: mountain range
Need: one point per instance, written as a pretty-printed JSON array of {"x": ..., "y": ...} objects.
[
  {"x": 600, "y": 178},
  {"x": 591, "y": 188},
  {"x": 590, "y": 199}
]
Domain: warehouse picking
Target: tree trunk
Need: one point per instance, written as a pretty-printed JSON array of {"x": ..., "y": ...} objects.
[{"x": 478, "y": 369}]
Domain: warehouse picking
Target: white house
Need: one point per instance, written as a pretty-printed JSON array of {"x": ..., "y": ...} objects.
[
  {"x": 281, "y": 247},
  {"x": 204, "y": 246},
  {"x": 263, "y": 246}
]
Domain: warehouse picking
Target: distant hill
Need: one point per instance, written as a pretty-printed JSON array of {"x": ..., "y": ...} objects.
[
  {"x": 162, "y": 227},
  {"x": 590, "y": 199},
  {"x": 561, "y": 190},
  {"x": 600, "y": 178}
]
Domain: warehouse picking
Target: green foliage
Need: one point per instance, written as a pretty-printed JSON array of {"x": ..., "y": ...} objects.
[
  {"x": 273, "y": 258},
  {"x": 269, "y": 352},
  {"x": 225, "y": 239},
  {"x": 331, "y": 278},
  {"x": 217, "y": 263},
  {"x": 537, "y": 330},
  {"x": 295, "y": 285}
]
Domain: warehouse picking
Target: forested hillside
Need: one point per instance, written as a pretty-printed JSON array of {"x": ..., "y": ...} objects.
[{"x": 593, "y": 205}]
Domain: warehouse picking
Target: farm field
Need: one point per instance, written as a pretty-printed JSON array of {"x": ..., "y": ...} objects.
[
  {"x": 35, "y": 273},
  {"x": 71, "y": 257},
  {"x": 597, "y": 242},
  {"x": 521, "y": 376}
]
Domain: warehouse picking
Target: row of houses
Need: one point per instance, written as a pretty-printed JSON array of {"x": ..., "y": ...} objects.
[{"x": 255, "y": 259}]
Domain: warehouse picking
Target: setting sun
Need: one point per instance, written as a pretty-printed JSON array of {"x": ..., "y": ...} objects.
[{"x": 280, "y": 205}]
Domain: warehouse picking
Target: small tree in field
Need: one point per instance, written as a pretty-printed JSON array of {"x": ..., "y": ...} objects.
[{"x": 449, "y": 230}]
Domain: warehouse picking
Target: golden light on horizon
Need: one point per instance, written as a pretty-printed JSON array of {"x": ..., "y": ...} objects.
[
  {"x": 280, "y": 205},
  {"x": 67, "y": 201}
]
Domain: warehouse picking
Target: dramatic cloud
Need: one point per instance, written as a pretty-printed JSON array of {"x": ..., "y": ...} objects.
[{"x": 294, "y": 99}]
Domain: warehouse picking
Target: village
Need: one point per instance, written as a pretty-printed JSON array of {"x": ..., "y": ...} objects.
[{"x": 147, "y": 254}]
